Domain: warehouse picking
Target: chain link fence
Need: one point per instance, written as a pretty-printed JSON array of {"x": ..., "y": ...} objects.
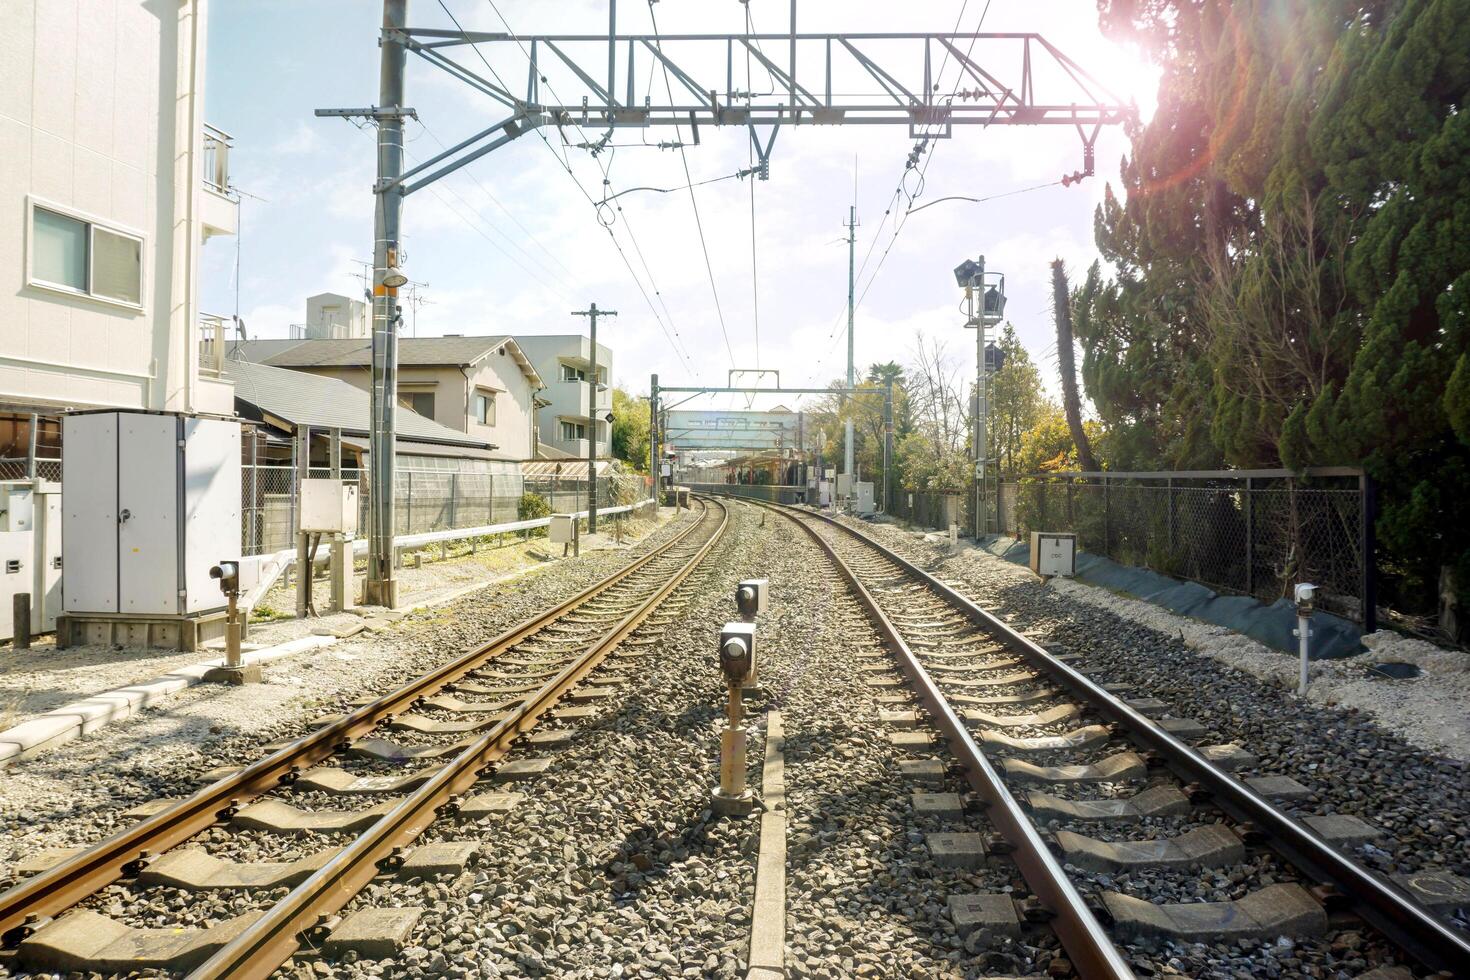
[
  {"x": 1254, "y": 533},
  {"x": 16, "y": 469},
  {"x": 930, "y": 508},
  {"x": 425, "y": 500}
]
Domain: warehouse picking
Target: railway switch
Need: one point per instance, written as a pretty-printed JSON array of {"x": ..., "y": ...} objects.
[{"x": 737, "y": 659}]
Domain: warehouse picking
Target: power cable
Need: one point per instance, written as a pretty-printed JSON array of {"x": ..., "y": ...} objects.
[
  {"x": 670, "y": 330},
  {"x": 693, "y": 201}
]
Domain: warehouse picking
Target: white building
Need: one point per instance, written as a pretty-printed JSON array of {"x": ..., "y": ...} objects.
[
  {"x": 564, "y": 362},
  {"x": 111, "y": 183},
  {"x": 332, "y": 316}
]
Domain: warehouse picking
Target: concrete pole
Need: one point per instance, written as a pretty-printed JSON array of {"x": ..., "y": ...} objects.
[
  {"x": 303, "y": 558},
  {"x": 592, "y": 313},
  {"x": 888, "y": 450},
  {"x": 655, "y": 467},
  {"x": 341, "y": 567},
  {"x": 977, "y": 285},
  {"x": 382, "y": 587},
  {"x": 847, "y": 434}
]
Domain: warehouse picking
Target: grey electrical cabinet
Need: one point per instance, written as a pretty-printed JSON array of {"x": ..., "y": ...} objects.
[{"x": 150, "y": 501}]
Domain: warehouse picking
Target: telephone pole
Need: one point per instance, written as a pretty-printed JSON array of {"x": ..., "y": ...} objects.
[
  {"x": 592, "y": 313},
  {"x": 847, "y": 434}
]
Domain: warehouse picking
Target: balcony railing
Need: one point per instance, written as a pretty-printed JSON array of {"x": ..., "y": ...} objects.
[
  {"x": 212, "y": 344},
  {"x": 217, "y": 145}
]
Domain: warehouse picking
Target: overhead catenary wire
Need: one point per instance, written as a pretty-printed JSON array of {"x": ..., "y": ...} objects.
[
  {"x": 670, "y": 329},
  {"x": 693, "y": 201}
]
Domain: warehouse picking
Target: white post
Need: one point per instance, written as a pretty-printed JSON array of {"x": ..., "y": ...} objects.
[{"x": 1304, "y": 594}]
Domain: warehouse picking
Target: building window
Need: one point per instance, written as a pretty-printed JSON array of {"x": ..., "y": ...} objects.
[
  {"x": 573, "y": 430},
  {"x": 485, "y": 408},
  {"x": 81, "y": 257},
  {"x": 569, "y": 373},
  {"x": 421, "y": 402}
]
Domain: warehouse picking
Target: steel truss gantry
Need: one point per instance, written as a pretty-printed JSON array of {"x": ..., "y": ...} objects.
[
  {"x": 592, "y": 81},
  {"x": 1018, "y": 79}
]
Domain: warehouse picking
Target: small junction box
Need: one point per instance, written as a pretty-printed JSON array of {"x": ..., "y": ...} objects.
[
  {"x": 1054, "y": 553},
  {"x": 562, "y": 530}
]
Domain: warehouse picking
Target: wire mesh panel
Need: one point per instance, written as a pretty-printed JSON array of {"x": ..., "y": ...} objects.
[
  {"x": 929, "y": 508},
  {"x": 1256, "y": 534}
]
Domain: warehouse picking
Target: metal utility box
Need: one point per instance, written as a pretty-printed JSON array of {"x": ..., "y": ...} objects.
[
  {"x": 562, "y": 530},
  {"x": 1053, "y": 553},
  {"x": 328, "y": 507},
  {"x": 16, "y": 506},
  {"x": 150, "y": 501},
  {"x": 864, "y": 502},
  {"x": 824, "y": 493},
  {"x": 844, "y": 485},
  {"x": 30, "y": 558}
]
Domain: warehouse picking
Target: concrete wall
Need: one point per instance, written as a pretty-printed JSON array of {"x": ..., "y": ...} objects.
[
  {"x": 569, "y": 398},
  {"x": 101, "y": 106}
]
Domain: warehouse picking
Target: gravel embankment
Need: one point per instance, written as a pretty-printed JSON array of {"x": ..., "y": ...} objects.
[
  {"x": 76, "y": 794},
  {"x": 1350, "y": 763}
]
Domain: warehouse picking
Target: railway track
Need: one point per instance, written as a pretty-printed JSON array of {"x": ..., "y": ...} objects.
[
  {"x": 1054, "y": 763},
  {"x": 424, "y": 753}
]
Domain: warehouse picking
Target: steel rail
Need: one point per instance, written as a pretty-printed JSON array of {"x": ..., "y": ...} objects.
[
  {"x": 1380, "y": 902},
  {"x": 1085, "y": 940},
  {"x": 24, "y": 907},
  {"x": 271, "y": 940}
]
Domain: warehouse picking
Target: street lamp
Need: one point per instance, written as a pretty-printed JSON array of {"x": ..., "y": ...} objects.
[{"x": 970, "y": 274}]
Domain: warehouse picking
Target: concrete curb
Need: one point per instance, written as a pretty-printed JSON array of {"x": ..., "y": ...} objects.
[
  {"x": 60, "y": 725},
  {"x": 768, "y": 920}
]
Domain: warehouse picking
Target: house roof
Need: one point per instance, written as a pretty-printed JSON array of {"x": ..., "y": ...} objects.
[
  {"x": 294, "y": 398},
  {"x": 412, "y": 352}
]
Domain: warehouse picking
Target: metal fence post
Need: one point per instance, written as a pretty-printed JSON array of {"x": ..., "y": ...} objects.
[
  {"x": 1367, "y": 546},
  {"x": 408, "y": 529},
  {"x": 1169, "y": 489},
  {"x": 453, "y": 498},
  {"x": 1250, "y": 536},
  {"x": 1107, "y": 520}
]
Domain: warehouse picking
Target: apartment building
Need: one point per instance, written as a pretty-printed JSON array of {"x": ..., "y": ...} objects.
[
  {"x": 564, "y": 362},
  {"x": 113, "y": 182},
  {"x": 484, "y": 387}
]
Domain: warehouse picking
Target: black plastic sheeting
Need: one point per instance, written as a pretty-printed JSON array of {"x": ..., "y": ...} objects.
[{"x": 1332, "y": 636}]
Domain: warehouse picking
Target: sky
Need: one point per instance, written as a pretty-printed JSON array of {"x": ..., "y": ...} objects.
[{"x": 512, "y": 244}]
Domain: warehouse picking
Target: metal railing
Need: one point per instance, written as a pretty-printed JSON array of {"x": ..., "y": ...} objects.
[
  {"x": 426, "y": 500},
  {"x": 216, "y": 164},
  {"x": 17, "y": 468},
  {"x": 212, "y": 343},
  {"x": 1249, "y": 532}
]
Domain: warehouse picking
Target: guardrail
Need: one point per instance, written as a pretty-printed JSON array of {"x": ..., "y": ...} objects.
[{"x": 275, "y": 565}]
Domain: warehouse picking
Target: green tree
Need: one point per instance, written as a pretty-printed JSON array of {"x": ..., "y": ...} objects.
[
  {"x": 1290, "y": 257},
  {"x": 630, "y": 433},
  {"x": 1016, "y": 400}
]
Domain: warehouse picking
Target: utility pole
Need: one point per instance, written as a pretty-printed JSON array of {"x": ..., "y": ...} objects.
[
  {"x": 847, "y": 434},
  {"x": 977, "y": 320},
  {"x": 888, "y": 449},
  {"x": 655, "y": 465},
  {"x": 592, "y": 313},
  {"x": 382, "y": 587}
]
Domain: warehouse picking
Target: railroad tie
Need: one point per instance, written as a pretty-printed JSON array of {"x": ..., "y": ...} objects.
[
  {"x": 87, "y": 942},
  {"x": 1156, "y": 801},
  {"x": 448, "y": 702},
  {"x": 390, "y": 751},
  {"x": 331, "y": 780},
  {"x": 1276, "y": 910},
  {"x": 945, "y": 671},
  {"x": 194, "y": 869},
  {"x": 1078, "y": 738},
  {"x": 276, "y": 817},
  {"x": 1000, "y": 700},
  {"x": 429, "y": 726},
  {"x": 1211, "y": 846},
  {"x": 1115, "y": 768},
  {"x": 1051, "y": 716},
  {"x": 470, "y": 687},
  {"x": 1001, "y": 681}
]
